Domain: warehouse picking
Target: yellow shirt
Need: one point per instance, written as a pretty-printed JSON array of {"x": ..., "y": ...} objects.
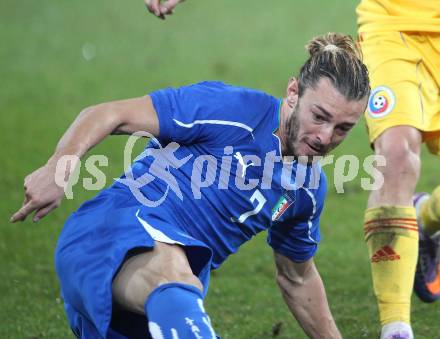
[{"x": 399, "y": 15}]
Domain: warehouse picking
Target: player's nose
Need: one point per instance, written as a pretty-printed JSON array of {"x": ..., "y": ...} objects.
[{"x": 325, "y": 135}]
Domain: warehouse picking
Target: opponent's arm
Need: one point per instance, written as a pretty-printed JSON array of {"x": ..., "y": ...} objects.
[
  {"x": 304, "y": 294},
  {"x": 92, "y": 125},
  {"x": 161, "y": 9}
]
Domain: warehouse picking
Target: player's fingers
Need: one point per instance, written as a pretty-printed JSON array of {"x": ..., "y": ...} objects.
[
  {"x": 165, "y": 10},
  {"x": 168, "y": 6},
  {"x": 26, "y": 199},
  {"x": 23, "y": 212},
  {"x": 148, "y": 4},
  {"x": 153, "y": 6},
  {"x": 26, "y": 182},
  {"x": 42, "y": 212}
]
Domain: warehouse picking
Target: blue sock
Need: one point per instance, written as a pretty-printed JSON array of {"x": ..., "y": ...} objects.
[{"x": 175, "y": 311}]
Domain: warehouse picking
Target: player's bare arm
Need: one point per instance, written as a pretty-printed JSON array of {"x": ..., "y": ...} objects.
[
  {"x": 161, "y": 8},
  {"x": 92, "y": 125},
  {"x": 304, "y": 294}
]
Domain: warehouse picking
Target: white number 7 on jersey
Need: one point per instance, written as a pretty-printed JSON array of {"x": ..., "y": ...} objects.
[{"x": 261, "y": 201}]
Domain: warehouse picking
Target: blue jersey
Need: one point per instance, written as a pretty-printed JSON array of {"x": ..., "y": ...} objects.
[
  {"x": 217, "y": 172},
  {"x": 210, "y": 181}
]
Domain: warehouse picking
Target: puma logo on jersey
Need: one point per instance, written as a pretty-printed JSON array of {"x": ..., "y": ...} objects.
[{"x": 242, "y": 164}]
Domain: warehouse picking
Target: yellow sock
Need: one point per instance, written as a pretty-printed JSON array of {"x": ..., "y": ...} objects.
[
  {"x": 392, "y": 236},
  {"x": 430, "y": 212}
]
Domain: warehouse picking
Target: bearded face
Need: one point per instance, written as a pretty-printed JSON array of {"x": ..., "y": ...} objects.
[
  {"x": 320, "y": 120},
  {"x": 299, "y": 143}
]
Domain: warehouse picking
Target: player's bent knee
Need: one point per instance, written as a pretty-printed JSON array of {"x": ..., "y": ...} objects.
[
  {"x": 131, "y": 292},
  {"x": 173, "y": 266},
  {"x": 143, "y": 273},
  {"x": 185, "y": 278}
]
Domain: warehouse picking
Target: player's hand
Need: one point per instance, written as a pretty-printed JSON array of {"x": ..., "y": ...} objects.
[
  {"x": 161, "y": 8},
  {"x": 41, "y": 194}
]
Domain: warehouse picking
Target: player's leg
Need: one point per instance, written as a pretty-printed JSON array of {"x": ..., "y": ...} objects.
[
  {"x": 404, "y": 93},
  {"x": 391, "y": 229},
  {"x": 160, "y": 284},
  {"x": 95, "y": 243},
  {"x": 427, "y": 279},
  {"x": 430, "y": 212}
]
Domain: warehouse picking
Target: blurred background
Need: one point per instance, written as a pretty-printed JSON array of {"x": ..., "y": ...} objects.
[{"x": 58, "y": 57}]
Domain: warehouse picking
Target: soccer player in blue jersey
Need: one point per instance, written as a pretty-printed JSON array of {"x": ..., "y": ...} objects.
[{"x": 221, "y": 166}]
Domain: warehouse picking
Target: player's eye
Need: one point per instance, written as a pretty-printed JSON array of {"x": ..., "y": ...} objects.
[
  {"x": 319, "y": 117},
  {"x": 343, "y": 129}
]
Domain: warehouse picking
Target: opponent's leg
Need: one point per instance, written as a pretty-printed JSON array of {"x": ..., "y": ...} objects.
[
  {"x": 160, "y": 284},
  {"x": 427, "y": 279},
  {"x": 430, "y": 212},
  {"x": 391, "y": 229}
]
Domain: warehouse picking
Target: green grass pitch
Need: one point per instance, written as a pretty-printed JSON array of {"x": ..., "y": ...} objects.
[{"x": 57, "y": 57}]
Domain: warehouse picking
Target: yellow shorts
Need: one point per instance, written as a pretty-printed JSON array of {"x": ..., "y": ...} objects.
[{"x": 405, "y": 80}]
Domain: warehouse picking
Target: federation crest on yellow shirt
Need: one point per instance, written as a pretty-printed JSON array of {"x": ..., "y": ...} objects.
[{"x": 381, "y": 102}]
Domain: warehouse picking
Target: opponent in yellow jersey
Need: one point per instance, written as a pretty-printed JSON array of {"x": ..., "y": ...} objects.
[
  {"x": 399, "y": 16},
  {"x": 400, "y": 41}
]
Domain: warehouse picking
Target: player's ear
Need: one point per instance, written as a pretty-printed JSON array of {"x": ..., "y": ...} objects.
[{"x": 292, "y": 92}]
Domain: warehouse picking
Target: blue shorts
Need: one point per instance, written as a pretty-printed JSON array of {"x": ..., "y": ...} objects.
[{"x": 92, "y": 246}]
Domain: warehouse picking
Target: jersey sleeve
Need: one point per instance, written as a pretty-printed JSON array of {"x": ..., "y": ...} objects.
[
  {"x": 209, "y": 112},
  {"x": 298, "y": 238}
]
